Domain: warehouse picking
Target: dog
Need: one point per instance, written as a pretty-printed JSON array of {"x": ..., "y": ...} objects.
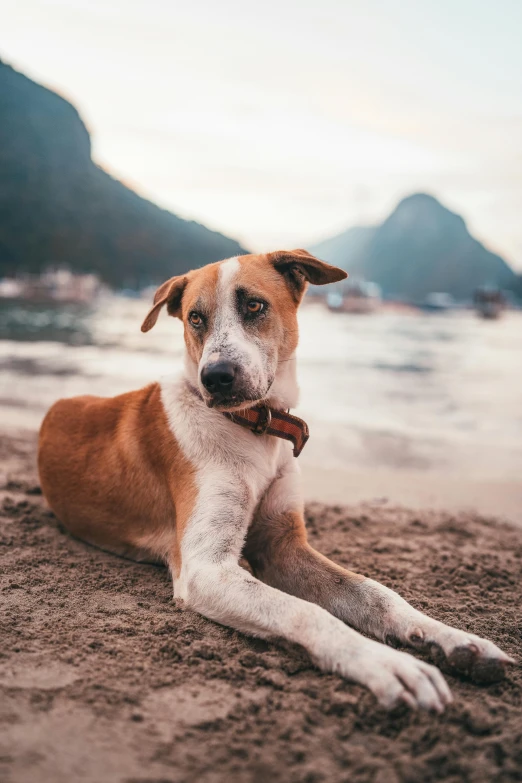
[{"x": 200, "y": 474}]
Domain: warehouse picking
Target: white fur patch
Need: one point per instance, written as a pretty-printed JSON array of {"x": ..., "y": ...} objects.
[
  {"x": 285, "y": 494},
  {"x": 227, "y": 272},
  {"x": 233, "y": 469},
  {"x": 284, "y": 392}
]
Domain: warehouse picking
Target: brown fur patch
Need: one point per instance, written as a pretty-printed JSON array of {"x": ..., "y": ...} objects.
[
  {"x": 114, "y": 475},
  {"x": 279, "y": 554}
]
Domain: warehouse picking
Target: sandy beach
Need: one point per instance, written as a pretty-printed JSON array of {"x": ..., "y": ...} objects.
[{"x": 104, "y": 677}]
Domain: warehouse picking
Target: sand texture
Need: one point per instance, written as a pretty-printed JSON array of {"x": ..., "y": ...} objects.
[{"x": 103, "y": 678}]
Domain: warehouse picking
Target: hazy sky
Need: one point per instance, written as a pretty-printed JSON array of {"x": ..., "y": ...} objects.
[{"x": 284, "y": 121}]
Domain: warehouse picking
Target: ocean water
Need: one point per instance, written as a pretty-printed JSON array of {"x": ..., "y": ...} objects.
[{"x": 398, "y": 390}]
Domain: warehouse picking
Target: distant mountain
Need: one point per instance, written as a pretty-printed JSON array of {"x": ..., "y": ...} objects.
[
  {"x": 420, "y": 248},
  {"x": 347, "y": 249},
  {"x": 58, "y": 208}
]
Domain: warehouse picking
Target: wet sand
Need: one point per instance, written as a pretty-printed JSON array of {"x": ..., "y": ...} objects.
[{"x": 104, "y": 679}]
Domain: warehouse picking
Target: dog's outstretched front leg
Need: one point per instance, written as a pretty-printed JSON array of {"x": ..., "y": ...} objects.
[
  {"x": 278, "y": 551},
  {"x": 209, "y": 580}
]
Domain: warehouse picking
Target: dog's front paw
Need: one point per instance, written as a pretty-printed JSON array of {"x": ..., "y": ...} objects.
[
  {"x": 464, "y": 653},
  {"x": 396, "y": 677}
]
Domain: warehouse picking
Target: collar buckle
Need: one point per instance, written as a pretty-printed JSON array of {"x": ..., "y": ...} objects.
[{"x": 263, "y": 423}]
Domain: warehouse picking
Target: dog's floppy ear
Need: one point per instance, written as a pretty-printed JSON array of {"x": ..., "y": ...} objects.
[
  {"x": 169, "y": 293},
  {"x": 300, "y": 268}
]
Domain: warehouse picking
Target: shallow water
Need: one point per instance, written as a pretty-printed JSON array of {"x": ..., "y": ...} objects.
[{"x": 429, "y": 392}]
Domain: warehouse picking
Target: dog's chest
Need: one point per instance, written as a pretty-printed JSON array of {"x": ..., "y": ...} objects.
[{"x": 220, "y": 450}]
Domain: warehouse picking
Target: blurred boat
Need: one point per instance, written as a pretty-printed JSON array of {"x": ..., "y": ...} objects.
[
  {"x": 60, "y": 287},
  {"x": 489, "y": 302},
  {"x": 438, "y": 302},
  {"x": 355, "y": 297}
]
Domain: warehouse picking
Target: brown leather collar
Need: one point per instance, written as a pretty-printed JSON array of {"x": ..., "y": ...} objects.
[{"x": 262, "y": 419}]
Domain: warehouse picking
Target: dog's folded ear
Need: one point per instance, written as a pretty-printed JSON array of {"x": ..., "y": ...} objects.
[
  {"x": 299, "y": 268},
  {"x": 169, "y": 293}
]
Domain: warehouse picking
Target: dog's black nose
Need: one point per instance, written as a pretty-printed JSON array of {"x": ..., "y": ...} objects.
[{"x": 218, "y": 378}]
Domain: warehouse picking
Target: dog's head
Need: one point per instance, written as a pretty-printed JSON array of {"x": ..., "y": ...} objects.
[{"x": 240, "y": 320}]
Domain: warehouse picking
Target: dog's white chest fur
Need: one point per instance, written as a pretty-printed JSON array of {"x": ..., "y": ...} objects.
[
  {"x": 211, "y": 442},
  {"x": 233, "y": 469}
]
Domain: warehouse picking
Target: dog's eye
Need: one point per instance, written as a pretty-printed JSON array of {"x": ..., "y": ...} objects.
[
  {"x": 195, "y": 319},
  {"x": 255, "y": 307}
]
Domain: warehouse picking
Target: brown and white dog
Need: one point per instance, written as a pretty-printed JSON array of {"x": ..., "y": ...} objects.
[{"x": 164, "y": 474}]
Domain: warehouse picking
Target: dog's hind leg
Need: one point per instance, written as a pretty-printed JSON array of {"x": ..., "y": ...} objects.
[{"x": 279, "y": 554}]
